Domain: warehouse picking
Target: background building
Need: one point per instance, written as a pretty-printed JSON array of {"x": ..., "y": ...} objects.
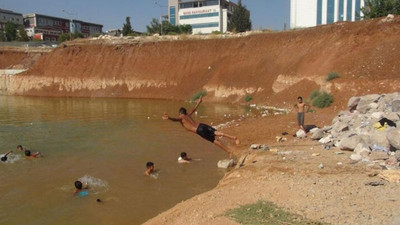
[
  {"x": 86, "y": 28},
  {"x": 46, "y": 28},
  {"x": 7, "y": 15},
  {"x": 309, "y": 13},
  {"x": 205, "y": 16},
  {"x": 49, "y": 28}
]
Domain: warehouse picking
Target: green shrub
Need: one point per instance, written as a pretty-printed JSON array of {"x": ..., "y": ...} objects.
[
  {"x": 332, "y": 76},
  {"x": 172, "y": 33},
  {"x": 198, "y": 95},
  {"x": 216, "y": 32},
  {"x": 267, "y": 213},
  {"x": 323, "y": 100},
  {"x": 314, "y": 94},
  {"x": 248, "y": 98}
]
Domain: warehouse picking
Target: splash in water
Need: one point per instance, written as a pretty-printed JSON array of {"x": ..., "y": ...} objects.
[{"x": 11, "y": 158}]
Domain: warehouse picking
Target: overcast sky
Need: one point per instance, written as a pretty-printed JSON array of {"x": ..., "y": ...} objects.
[{"x": 270, "y": 14}]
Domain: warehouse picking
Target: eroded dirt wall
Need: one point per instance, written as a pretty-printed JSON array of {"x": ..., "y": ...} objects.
[{"x": 271, "y": 67}]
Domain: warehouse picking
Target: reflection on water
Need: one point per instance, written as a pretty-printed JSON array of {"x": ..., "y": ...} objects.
[{"x": 106, "y": 142}]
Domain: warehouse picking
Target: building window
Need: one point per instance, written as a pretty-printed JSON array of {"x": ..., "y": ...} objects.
[
  {"x": 358, "y": 10},
  {"x": 330, "y": 16},
  {"x": 204, "y": 25},
  {"x": 349, "y": 10},
  {"x": 319, "y": 12},
  {"x": 199, "y": 16},
  {"x": 172, "y": 15},
  {"x": 341, "y": 10}
]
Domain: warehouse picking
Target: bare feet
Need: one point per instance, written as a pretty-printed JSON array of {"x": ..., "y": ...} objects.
[{"x": 237, "y": 141}]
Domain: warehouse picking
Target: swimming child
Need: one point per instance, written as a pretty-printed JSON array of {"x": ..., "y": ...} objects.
[
  {"x": 4, "y": 157},
  {"x": 205, "y": 131},
  {"x": 28, "y": 153},
  {"x": 184, "y": 158},
  {"x": 150, "y": 168},
  {"x": 80, "y": 188}
]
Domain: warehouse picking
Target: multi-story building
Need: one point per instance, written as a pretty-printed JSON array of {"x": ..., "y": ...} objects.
[
  {"x": 10, "y": 16},
  {"x": 86, "y": 28},
  {"x": 49, "y": 28},
  {"x": 205, "y": 16},
  {"x": 46, "y": 28},
  {"x": 309, "y": 13}
]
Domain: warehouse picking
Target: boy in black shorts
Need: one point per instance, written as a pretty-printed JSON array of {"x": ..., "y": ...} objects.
[{"x": 205, "y": 131}]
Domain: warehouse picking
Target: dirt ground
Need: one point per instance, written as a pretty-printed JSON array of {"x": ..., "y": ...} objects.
[{"x": 291, "y": 178}]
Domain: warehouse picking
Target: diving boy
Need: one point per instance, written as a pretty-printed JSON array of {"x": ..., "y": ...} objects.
[{"x": 205, "y": 131}]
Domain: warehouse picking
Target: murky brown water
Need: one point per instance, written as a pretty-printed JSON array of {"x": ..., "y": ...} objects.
[{"x": 107, "y": 141}]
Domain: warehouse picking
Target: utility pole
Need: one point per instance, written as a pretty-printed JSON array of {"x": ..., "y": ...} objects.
[
  {"x": 71, "y": 21},
  {"x": 161, "y": 17}
]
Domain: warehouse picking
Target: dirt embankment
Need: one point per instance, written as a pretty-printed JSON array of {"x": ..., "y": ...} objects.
[
  {"x": 274, "y": 68},
  {"x": 20, "y": 57}
]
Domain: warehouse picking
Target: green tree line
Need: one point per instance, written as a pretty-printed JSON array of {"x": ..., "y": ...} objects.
[
  {"x": 13, "y": 32},
  {"x": 380, "y": 8}
]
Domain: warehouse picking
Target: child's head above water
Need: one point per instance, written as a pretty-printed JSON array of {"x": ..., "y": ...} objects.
[
  {"x": 149, "y": 165},
  {"x": 183, "y": 155},
  {"x": 78, "y": 185},
  {"x": 20, "y": 148}
]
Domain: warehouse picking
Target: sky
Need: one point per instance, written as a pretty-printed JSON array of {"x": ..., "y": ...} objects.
[{"x": 265, "y": 14}]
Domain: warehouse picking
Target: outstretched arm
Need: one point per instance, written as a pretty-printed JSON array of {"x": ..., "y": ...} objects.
[
  {"x": 8, "y": 153},
  {"x": 197, "y": 105},
  {"x": 166, "y": 117}
]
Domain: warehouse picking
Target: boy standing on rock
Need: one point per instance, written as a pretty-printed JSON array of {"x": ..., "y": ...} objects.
[
  {"x": 205, "y": 131},
  {"x": 300, "y": 107}
]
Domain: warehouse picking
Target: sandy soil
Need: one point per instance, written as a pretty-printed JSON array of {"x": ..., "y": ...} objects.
[{"x": 291, "y": 178}]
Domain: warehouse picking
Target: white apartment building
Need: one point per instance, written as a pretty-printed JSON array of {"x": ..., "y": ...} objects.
[
  {"x": 205, "y": 16},
  {"x": 309, "y": 13}
]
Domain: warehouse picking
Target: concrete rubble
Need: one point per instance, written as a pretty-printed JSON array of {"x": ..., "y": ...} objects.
[{"x": 370, "y": 128}]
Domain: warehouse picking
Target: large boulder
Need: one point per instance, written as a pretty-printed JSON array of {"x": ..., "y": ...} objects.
[
  {"x": 364, "y": 104},
  {"x": 352, "y": 104},
  {"x": 350, "y": 143},
  {"x": 318, "y": 134},
  {"x": 396, "y": 105},
  {"x": 393, "y": 136},
  {"x": 301, "y": 133},
  {"x": 379, "y": 138},
  {"x": 362, "y": 149},
  {"x": 225, "y": 163},
  {"x": 378, "y": 155}
]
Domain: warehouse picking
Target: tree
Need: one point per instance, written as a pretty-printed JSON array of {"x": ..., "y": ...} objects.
[
  {"x": 127, "y": 28},
  {"x": 154, "y": 27},
  {"x": 66, "y": 36},
  {"x": 2, "y": 35},
  {"x": 167, "y": 28},
  {"x": 22, "y": 35},
  {"x": 240, "y": 20},
  {"x": 380, "y": 8},
  {"x": 10, "y": 30}
]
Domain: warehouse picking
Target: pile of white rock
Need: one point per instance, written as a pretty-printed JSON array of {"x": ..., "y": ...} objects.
[{"x": 370, "y": 127}]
